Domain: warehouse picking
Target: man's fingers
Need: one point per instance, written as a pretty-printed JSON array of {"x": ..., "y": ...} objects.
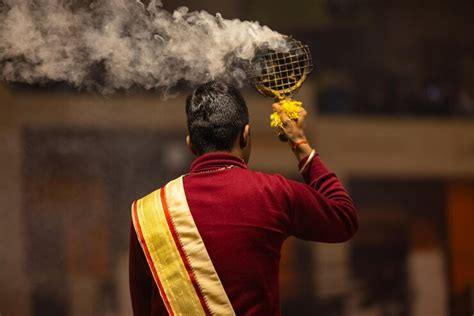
[
  {"x": 285, "y": 119},
  {"x": 302, "y": 116},
  {"x": 278, "y": 108},
  {"x": 291, "y": 130}
]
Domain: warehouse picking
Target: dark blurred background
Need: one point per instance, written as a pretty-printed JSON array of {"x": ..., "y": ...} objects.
[{"x": 391, "y": 105}]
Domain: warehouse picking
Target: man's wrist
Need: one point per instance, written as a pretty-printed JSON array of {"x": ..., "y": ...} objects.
[
  {"x": 302, "y": 151},
  {"x": 303, "y": 164},
  {"x": 295, "y": 145}
]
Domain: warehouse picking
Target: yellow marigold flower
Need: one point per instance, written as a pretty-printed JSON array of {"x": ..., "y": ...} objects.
[{"x": 292, "y": 109}]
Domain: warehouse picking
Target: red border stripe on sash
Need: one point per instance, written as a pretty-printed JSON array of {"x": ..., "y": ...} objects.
[
  {"x": 149, "y": 259},
  {"x": 174, "y": 233}
]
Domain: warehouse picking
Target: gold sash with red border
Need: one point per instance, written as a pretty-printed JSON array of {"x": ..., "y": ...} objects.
[{"x": 176, "y": 254}]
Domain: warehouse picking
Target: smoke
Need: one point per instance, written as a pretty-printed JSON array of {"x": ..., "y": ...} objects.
[{"x": 110, "y": 45}]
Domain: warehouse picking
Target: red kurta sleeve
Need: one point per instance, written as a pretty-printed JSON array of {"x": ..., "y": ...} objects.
[{"x": 321, "y": 210}]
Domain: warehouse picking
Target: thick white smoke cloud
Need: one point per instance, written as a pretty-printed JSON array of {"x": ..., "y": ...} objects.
[{"x": 120, "y": 44}]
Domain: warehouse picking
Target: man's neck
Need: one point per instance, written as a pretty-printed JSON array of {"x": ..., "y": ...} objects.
[{"x": 233, "y": 152}]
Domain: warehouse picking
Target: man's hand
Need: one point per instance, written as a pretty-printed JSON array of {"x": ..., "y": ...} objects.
[{"x": 294, "y": 131}]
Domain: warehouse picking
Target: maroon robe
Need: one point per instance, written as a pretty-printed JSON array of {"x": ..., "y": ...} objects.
[{"x": 243, "y": 217}]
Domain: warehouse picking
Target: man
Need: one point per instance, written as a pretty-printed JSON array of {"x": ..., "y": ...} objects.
[{"x": 209, "y": 242}]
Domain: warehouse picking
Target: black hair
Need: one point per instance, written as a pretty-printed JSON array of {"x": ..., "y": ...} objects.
[{"x": 216, "y": 114}]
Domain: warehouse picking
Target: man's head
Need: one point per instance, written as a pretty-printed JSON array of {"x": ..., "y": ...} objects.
[{"x": 218, "y": 120}]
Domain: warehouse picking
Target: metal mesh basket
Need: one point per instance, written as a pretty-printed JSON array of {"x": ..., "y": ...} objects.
[{"x": 281, "y": 74}]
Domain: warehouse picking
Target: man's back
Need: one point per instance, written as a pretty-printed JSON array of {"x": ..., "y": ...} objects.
[{"x": 243, "y": 218}]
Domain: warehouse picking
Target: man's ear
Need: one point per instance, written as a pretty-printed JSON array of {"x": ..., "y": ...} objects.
[
  {"x": 245, "y": 136},
  {"x": 190, "y": 145}
]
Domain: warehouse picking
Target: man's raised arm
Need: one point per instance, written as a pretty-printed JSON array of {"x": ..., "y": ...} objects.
[{"x": 321, "y": 210}]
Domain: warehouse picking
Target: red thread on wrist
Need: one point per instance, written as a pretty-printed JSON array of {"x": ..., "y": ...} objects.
[{"x": 295, "y": 145}]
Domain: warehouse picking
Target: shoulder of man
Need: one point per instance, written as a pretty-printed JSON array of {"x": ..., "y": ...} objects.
[
  {"x": 159, "y": 188},
  {"x": 276, "y": 183}
]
